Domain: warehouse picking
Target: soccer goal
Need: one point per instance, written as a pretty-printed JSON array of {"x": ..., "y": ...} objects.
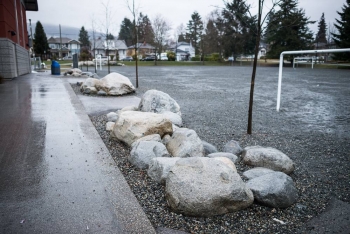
[{"x": 299, "y": 52}]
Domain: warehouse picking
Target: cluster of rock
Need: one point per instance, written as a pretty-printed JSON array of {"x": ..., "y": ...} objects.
[
  {"x": 92, "y": 63},
  {"x": 113, "y": 84},
  {"x": 76, "y": 72},
  {"x": 199, "y": 180}
]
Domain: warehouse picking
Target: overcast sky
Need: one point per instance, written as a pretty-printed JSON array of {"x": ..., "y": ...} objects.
[{"x": 77, "y": 13}]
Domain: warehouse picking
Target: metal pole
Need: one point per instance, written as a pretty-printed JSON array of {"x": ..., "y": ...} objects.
[{"x": 279, "y": 83}]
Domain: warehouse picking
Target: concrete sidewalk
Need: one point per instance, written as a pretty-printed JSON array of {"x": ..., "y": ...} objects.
[{"x": 56, "y": 175}]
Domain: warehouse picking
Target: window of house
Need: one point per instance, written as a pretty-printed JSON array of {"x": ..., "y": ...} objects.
[{"x": 187, "y": 49}]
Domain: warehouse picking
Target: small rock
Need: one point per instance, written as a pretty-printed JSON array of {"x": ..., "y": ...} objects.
[
  {"x": 256, "y": 172},
  {"x": 112, "y": 117},
  {"x": 230, "y": 156},
  {"x": 109, "y": 126},
  {"x": 144, "y": 151},
  {"x": 233, "y": 147},
  {"x": 209, "y": 148},
  {"x": 101, "y": 93}
]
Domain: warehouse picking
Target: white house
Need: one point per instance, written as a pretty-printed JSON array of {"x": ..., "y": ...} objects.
[
  {"x": 184, "y": 51},
  {"x": 109, "y": 47},
  {"x": 63, "y": 46}
]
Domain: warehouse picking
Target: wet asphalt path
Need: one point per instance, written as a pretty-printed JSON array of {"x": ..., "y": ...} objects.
[{"x": 56, "y": 175}]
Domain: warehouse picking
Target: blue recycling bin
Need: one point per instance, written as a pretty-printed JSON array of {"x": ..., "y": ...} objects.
[{"x": 55, "y": 68}]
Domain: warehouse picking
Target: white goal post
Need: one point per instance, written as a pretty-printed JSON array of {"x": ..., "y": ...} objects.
[{"x": 299, "y": 52}]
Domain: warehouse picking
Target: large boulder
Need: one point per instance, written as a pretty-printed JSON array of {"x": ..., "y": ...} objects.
[
  {"x": 268, "y": 157},
  {"x": 206, "y": 187},
  {"x": 209, "y": 148},
  {"x": 274, "y": 189},
  {"x": 153, "y": 137},
  {"x": 159, "y": 168},
  {"x": 256, "y": 172},
  {"x": 90, "y": 82},
  {"x": 230, "y": 156},
  {"x": 144, "y": 151},
  {"x": 185, "y": 143},
  {"x": 116, "y": 84},
  {"x": 233, "y": 147},
  {"x": 132, "y": 125},
  {"x": 158, "y": 102}
]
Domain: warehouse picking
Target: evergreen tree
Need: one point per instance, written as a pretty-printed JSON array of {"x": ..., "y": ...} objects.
[
  {"x": 194, "y": 30},
  {"x": 213, "y": 38},
  {"x": 240, "y": 28},
  {"x": 145, "y": 30},
  {"x": 287, "y": 29},
  {"x": 40, "y": 40},
  {"x": 84, "y": 38},
  {"x": 342, "y": 38},
  {"x": 126, "y": 31},
  {"x": 110, "y": 36},
  {"x": 322, "y": 29}
]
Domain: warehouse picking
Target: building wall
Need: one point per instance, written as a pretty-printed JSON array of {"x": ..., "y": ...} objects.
[
  {"x": 14, "y": 55},
  {"x": 14, "y": 59},
  {"x": 8, "y": 16}
]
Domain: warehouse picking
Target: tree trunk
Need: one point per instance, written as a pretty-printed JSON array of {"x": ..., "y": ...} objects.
[{"x": 250, "y": 114}]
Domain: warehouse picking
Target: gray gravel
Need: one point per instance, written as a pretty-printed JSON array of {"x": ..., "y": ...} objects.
[{"x": 312, "y": 128}]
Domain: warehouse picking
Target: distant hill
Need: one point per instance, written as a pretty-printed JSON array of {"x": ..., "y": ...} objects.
[{"x": 52, "y": 30}]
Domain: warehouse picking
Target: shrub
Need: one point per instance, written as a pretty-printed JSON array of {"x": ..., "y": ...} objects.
[{"x": 171, "y": 56}]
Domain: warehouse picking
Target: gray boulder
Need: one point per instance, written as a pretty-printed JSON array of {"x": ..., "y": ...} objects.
[
  {"x": 144, "y": 151},
  {"x": 158, "y": 102},
  {"x": 233, "y": 147},
  {"x": 132, "y": 125},
  {"x": 230, "y": 156},
  {"x": 274, "y": 189},
  {"x": 268, "y": 157},
  {"x": 256, "y": 172},
  {"x": 101, "y": 93},
  {"x": 185, "y": 143},
  {"x": 174, "y": 118},
  {"x": 159, "y": 168},
  {"x": 116, "y": 84},
  {"x": 112, "y": 117},
  {"x": 90, "y": 90},
  {"x": 209, "y": 148},
  {"x": 201, "y": 186}
]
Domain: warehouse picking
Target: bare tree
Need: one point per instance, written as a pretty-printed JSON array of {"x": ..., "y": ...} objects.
[
  {"x": 93, "y": 29},
  {"x": 134, "y": 11},
  {"x": 106, "y": 28},
  {"x": 259, "y": 28},
  {"x": 161, "y": 32}
]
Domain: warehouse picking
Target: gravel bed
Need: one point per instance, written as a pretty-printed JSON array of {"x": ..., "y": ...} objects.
[{"x": 312, "y": 128}]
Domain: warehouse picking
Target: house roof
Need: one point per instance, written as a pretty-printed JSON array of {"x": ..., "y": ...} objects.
[
  {"x": 65, "y": 40},
  {"x": 142, "y": 46},
  {"x": 181, "y": 43},
  {"x": 99, "y": 44}
]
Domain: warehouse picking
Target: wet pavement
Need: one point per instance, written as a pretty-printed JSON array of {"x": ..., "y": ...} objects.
[{"x": 56, "y": 175}]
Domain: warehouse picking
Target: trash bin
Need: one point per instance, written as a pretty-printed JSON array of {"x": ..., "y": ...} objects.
[{"x": 55, "y": 68}]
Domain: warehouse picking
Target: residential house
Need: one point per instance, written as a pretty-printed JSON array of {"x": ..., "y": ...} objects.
[
  {"x": 117, "y": 48},
  {"x": 184, "y": 51},
  {"x": 62, "y": 47},
  {"x": 144, "y": 49},
  {"x": 14, "y": 40}
]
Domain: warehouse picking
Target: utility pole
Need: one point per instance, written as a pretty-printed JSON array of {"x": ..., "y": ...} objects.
[
  {"x": 60, "y": 53},
  {"x": 31, "y": 35}
]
